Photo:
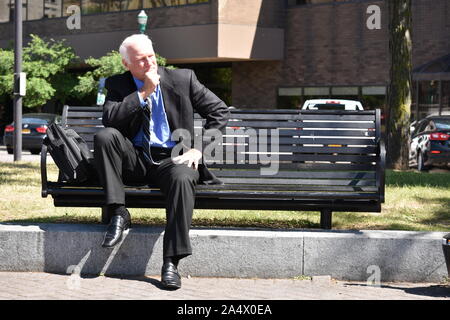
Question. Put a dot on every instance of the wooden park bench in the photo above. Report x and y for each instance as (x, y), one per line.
(323, 161)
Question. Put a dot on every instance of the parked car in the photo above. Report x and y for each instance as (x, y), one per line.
(430, 143)
(34, 128)
(332, 104)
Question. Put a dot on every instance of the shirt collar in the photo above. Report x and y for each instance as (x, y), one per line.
(140, 83)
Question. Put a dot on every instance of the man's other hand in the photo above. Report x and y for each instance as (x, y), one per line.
(191, 158)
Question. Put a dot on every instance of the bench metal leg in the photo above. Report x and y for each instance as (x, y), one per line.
(105, 216)
(325, 219)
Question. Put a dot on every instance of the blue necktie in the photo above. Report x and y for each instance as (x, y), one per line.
(146, 129)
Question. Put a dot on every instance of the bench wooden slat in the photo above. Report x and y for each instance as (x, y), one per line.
(295, 149)
(275, 181)
(302, 124)
(291, 188)
(318, 141)
(81, 122)
(298, 174)
(297, 157)
(234, 133)
(87, 114)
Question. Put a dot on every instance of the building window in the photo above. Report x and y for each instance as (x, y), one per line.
(24, 10)
(4, 11)
(445, 108)
(304, 2)
(67, 4)
(131, 4)
(35, 10)
(170, 3)
(371, 97)
(39, 9)
(93, 6)
(52, 8)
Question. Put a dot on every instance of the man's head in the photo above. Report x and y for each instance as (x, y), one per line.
(138, 55)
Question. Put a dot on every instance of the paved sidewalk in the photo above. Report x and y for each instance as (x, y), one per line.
(33, 285)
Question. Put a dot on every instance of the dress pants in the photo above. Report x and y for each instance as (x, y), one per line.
(119, 162)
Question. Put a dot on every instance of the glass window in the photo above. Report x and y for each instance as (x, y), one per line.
(35, 9)
(289, 91)
(52, 8)
(373, 97)
(112, 5)
(92, 6)
(131, 4)
(442, 124)
(24, 11)
(168, 3)
(317, 91)
(67, 4)
(4, 11)
(344, 91)
(289, 102)
(428, 92)
(371, 102)
(423, 126)
(303, 2)
(446, 97)
(154, 3)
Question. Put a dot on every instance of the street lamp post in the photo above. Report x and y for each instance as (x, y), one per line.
(142, 20)
(17, 138)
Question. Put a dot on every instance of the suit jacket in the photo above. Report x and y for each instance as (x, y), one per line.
(182, 94)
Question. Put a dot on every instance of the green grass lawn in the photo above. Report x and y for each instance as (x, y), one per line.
(414, 201)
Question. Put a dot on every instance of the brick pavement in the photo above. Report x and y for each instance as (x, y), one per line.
(46, 286)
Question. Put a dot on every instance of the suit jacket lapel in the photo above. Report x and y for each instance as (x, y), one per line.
(171, 98)
(129, 85)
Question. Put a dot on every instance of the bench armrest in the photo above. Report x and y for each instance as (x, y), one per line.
(382, 167)
(44, 190)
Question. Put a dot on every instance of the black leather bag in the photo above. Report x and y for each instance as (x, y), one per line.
(71, 154)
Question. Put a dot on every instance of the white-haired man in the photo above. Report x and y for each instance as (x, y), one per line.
(123, 153)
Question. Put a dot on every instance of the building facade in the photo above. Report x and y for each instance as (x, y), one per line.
(262, 53)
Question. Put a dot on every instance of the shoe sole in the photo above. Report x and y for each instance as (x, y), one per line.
(169, 285)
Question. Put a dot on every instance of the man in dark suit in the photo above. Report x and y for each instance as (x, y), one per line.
(143, 107)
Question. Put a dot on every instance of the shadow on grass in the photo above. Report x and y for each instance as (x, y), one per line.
(19, 165)
(417, 179)
(19, 173)
(196, 223)
(439, 216)
(53, 219)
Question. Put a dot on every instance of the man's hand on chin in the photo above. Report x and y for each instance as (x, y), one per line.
(151, 81)
(191, 158)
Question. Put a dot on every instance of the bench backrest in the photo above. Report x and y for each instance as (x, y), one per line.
(318, 153)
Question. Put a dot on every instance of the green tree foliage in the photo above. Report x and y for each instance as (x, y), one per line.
(103, 67)
(45, 63)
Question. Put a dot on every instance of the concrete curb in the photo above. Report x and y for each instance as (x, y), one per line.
(344, 255)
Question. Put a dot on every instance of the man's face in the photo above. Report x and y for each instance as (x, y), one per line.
(142, 60)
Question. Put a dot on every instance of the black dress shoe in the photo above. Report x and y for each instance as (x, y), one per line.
(115, 230)
(170, 278)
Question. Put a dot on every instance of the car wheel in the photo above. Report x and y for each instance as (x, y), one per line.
(35, 151)
(10, 150)
(421, 162)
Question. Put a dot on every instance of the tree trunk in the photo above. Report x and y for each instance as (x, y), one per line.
(399, 92)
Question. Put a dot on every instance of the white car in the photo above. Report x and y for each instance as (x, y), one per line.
(332, 104)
